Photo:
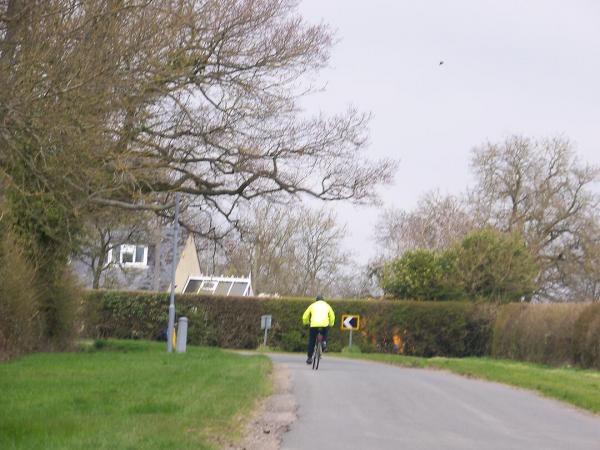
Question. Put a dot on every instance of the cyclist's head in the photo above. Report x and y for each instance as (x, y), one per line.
(319, 297)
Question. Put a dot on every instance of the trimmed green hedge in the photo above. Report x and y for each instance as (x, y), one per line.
(555, 334)
(411, 328)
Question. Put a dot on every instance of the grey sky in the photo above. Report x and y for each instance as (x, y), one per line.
(510, 66)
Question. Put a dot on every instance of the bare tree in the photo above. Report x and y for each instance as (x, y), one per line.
(541, 190)
(355, 282)
(437, 222)
(578, 276)
(267, 247)
(287, 248)
(129, 101)
(319, 250)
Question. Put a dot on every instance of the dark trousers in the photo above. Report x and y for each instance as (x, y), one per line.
(312, 337)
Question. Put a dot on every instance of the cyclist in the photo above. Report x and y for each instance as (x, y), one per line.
(320, 317)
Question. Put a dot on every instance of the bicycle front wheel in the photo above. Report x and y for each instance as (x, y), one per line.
(317, 356)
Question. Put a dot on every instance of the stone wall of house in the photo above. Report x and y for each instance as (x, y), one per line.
(154, 276)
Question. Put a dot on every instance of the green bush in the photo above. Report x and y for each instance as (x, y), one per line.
(495, 266)
(412, 328)
(486, 265)
(422, 274)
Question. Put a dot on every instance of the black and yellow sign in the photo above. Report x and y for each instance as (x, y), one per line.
(350, 322)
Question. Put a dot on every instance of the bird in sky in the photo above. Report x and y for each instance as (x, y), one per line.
(441, 62)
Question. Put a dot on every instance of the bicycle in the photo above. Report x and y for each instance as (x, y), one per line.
(317, 351)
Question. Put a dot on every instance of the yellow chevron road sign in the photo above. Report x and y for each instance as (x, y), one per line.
(350, 322)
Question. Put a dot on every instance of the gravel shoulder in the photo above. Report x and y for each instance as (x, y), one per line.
(273, 416)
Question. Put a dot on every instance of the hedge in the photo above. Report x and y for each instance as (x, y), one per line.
(411, 328)
(554, 334)
(586, 342)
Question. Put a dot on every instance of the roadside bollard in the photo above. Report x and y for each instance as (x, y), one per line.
(182, 327)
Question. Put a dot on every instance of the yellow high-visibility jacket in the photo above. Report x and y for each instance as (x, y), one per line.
(319, 314)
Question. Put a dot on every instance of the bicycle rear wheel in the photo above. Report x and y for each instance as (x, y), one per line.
(318, 355)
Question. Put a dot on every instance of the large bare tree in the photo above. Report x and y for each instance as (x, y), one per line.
(122, 103)
(539, 189)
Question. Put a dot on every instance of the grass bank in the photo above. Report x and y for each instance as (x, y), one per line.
(128, 395)
(575, 386)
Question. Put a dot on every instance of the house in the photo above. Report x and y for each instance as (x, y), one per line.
(146, 263)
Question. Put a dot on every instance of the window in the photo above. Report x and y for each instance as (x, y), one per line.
(223, 288)
(134, 255)
(192, 287)
(208, 286)
(238, 288)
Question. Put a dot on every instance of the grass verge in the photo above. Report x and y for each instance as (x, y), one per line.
(578, 387)
(128, 395)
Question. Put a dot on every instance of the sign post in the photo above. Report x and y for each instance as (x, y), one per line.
(350, 323)
(265, 324)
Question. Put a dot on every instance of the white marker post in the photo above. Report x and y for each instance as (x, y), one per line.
(181, 342)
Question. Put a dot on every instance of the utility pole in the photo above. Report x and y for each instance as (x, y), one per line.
(171, 325)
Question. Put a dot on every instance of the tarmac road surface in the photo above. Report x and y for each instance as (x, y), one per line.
(350, 404)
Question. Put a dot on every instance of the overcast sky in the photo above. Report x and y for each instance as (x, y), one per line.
(530, 67)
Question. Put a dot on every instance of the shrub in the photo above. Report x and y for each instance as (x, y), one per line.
(37, 305)
(20, 325)
(495, 266)
(413, 328)
(58, 309)
(422, 274)
(487, 265)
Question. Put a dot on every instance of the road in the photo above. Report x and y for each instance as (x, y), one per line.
(350, 404)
